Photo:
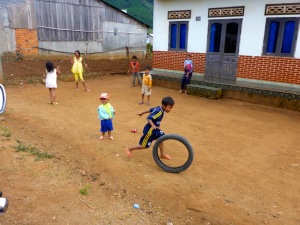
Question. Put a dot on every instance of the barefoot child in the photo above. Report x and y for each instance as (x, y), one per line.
(134, 66)
(51, 81)
(106, 113)
(152, 129)
(146, 86)
(77, 69)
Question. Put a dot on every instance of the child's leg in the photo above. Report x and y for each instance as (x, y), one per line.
(162, 152)
(85, 88)
(53, 95)
(110, 136)
(128, 150)
(139, 78)
(50, 94)
(133, 80)
(189, 77)
(182, 85)
(102, 136)
(82, 81)
(148, 97)
(76, 77)
(184, 82)
(142, 102)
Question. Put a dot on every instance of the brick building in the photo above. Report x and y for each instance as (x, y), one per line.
(235, 40)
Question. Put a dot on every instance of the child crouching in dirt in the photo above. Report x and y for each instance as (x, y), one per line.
(152, 129)
(106, 113)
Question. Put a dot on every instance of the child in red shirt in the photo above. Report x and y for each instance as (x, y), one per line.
(134, 66)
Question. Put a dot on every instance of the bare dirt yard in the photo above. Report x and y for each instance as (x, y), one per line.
(246, 166)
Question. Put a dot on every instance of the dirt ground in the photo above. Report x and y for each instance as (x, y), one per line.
(245, 169)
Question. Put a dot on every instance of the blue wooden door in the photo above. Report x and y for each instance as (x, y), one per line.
(222, 49)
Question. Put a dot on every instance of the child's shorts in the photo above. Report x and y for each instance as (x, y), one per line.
(145, 90)
(78, 76)
(106, 125)
(150, 136)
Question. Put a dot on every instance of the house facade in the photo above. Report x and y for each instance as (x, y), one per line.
(53, 27)
(256, 41)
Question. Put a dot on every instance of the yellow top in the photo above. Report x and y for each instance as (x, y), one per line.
(77, 65)
(147, 80)
(107, 108)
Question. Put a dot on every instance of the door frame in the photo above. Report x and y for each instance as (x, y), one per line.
(219, 63)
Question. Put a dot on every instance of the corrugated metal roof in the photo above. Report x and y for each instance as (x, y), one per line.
(4, 3)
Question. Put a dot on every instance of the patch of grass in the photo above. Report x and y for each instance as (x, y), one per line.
(32, 150)
(30, 81)
(85, 190)
(6, 134)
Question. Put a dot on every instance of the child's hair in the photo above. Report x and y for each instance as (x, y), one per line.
(49, 66)
(134, 57)
(78, 52)
(167, 101)
(148, 68)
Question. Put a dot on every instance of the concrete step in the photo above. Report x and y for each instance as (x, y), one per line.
(204, 91)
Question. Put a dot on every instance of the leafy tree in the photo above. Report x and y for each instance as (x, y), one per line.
(142, 10)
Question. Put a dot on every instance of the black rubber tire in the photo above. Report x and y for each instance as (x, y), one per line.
(166, 167)
(3, 99)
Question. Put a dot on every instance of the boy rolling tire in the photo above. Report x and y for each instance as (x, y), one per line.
(165, 166)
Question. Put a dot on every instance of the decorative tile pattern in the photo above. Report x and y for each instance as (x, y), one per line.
(282, 9)
(225, 12)
(184, 14)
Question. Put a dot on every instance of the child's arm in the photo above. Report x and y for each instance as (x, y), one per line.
(84, 63)
(150, 82)
(142, 113)
(129, 67)
(57, 70)
(71, 60)
(152, 124)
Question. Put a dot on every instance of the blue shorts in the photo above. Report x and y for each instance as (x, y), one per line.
(106, 125)
(150, 135)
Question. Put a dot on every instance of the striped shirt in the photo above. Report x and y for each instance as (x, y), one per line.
(156, 115)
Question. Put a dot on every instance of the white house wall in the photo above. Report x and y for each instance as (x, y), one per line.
(253, 26)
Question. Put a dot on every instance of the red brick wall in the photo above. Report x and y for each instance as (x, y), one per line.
(175, 60)
(269, 68)
(26, 41)
(266, 68)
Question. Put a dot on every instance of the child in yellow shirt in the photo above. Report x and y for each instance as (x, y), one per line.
(146, 85)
